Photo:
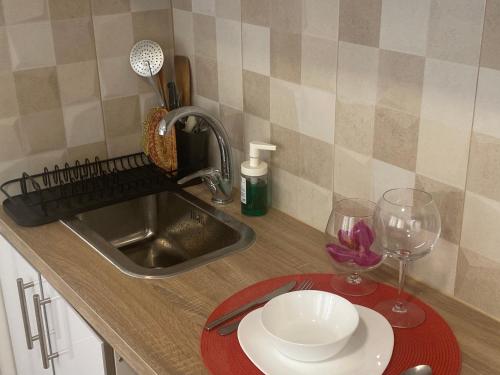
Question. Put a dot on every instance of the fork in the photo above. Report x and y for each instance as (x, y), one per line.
(231, 327)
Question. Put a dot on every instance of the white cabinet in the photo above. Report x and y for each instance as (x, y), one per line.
(62, 342)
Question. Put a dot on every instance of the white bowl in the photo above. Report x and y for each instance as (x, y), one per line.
(309, 325)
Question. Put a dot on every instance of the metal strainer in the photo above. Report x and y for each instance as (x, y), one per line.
(146, 58)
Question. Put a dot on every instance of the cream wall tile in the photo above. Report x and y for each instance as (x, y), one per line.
(285, 191)
(256, 94)
(230, 9)
(210, 105)
(43, 131)
(354, 126)
(113, 35)
(438, 269)
(228, 36)
(314, 204)
(117, 78)
(490, 57)
(83, 124)
(78, 82)
(20, 11)
(230, 82)
(141, 5)
(232, 119)
(204, 7)
(357, 73)
(121, 116)
(287, 143)
(404, 25)
(255, 129)
(480, 227)
(31, 45)
(360, 21)
(206, 81)
(320, 18)
(487, 114)
(256, 48)
(87, 151)
(286, 56)
(319, 63)
(8, 103)
(284, 103)
(11, 139)
(4, 51)
(123, 144)
(352, 174)
(238, 158)
(387, 176)
(147, 101)
(455, 28)
(183, 32)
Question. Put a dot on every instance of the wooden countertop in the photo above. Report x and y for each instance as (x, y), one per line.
(155, 325)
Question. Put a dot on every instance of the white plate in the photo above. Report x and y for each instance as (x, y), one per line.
(368, 352)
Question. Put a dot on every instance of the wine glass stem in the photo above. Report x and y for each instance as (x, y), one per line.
(354, 278)
(400, 305)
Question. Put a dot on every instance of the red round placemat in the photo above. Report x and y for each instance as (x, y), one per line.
(431, 343)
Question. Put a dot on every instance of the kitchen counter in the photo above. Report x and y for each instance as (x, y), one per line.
(155, 325)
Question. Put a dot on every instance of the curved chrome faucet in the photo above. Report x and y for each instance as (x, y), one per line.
(219, 182)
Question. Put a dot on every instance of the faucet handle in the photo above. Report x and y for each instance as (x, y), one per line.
(207, 173)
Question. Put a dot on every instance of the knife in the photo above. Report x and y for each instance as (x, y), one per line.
(230, 315)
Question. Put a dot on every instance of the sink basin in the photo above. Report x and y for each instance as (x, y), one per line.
(162, 234)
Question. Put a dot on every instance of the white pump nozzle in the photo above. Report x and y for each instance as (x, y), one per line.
(254, 151)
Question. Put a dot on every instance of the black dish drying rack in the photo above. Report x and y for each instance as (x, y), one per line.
(63, 192)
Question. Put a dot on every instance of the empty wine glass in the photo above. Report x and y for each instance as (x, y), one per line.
(349, 238)
(407, 226)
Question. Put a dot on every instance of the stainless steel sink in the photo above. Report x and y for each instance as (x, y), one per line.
(162, 234)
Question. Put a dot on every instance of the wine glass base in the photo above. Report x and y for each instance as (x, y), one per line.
(363, 286)
(413, 317)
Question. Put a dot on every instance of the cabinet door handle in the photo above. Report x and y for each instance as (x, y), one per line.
(46, 356)
(21, 287)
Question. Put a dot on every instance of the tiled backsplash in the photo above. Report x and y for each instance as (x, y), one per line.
(66, 87)
(361, 96)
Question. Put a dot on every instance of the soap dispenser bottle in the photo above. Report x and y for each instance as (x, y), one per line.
(255, 190)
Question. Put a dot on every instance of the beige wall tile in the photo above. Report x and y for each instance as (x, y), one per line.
(230, 9)
(480, 226)
(483, 173)
(319, 63)
(89, 151)
(487, 109)
(286, 16)
(83, 123)
(256, 12)
(2, 18)
(478, 281)
(113, 35)
(232, 119)
(121, 116)
(154, 25)
(4, 51)
(123, 144)
(455, 28)
(228, 35)
(360, 21)
(352, 174)
(490, 56)
(43, 131)
(230, 83)
(316, 161)
(183, 32)
(285, 191)
(117, 78)
(78, 82)
(357, 73)
(314, 203)
(395, 138)
(206, 78)
(31, 45)
(64, 9)
(404, 25)
(255, 129)
(256, 48)
(102, 7)
(204, 36)
(388, 176)
(354, 126)
(320, 19)
(400, 81)
(20, 11)
(450, 202)
(11, 139)
(37, 90)
(73, 40)
(285, 103)
(141, 5)
(286, 55)
(287, 143)
(438, 269)
(8, 102)
(182, 4)
(204, 7)
(256, 94)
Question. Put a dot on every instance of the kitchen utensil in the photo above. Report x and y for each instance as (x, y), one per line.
(146, 59)
(348, 241)
(183, 79)
(231, 327)
(418, 370)
(368, 351)
(407, 226)
(309, 325)
(224, 318)
(173, 98)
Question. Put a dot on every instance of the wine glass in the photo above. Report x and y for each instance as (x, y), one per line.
(407, 226)
(349, 238)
